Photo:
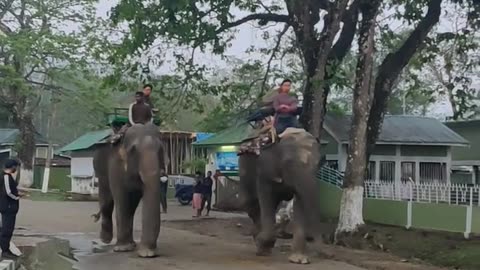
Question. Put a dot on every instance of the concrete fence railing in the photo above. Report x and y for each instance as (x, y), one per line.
(457, 194)
(453, 208)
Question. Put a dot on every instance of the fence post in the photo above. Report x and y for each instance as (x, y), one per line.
(409, 207)
(468, 225)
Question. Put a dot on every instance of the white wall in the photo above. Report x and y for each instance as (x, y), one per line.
(81, 166)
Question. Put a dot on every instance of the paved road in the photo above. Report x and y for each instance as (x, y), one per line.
(178, 249)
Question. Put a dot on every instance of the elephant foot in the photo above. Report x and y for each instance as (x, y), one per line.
(125, 247)
(264, 252)
(106, 237)
(299, 259)
(144, 252)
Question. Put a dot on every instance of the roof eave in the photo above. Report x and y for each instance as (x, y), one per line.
(459, 144)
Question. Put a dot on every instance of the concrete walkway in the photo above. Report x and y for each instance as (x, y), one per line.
(178, 249)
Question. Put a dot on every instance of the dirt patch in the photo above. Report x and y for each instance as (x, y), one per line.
(382, 247)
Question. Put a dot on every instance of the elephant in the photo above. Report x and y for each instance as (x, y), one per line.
(282, 171)
(128, 172)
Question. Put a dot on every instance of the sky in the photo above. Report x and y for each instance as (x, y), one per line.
(249, 35)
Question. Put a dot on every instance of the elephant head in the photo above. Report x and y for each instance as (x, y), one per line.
(128, 172)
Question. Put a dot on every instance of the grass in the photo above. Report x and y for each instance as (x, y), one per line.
(46, 197)
(449, 250)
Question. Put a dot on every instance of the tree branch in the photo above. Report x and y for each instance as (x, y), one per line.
(264, 17)
(275, 49)
(392, 66)
(5, 29)
(344, 43)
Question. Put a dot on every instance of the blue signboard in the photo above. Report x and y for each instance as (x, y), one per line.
(227, 161)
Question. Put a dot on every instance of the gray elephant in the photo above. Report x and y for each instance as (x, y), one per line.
(281, 172)
(128, 172)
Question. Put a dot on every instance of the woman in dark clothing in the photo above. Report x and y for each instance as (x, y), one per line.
(9, 204)
(197, 195)
(207, 192)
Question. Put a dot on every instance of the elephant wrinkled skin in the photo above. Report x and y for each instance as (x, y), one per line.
(128, 172)
(282, 171)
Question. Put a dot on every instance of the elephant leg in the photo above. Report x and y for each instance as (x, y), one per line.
(265, 240)
(106, 210)
(298, 255)
(150, 219)
(253, 211)
(126, 204)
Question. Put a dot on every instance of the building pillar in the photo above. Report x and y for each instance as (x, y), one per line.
(377, 171)
(417, 172)
(342, 157)
(448, 170)
(398, 171)
(474, 174)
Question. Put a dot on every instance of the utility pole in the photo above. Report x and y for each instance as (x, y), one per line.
(48, 160)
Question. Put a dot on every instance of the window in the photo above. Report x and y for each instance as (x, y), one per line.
(433, 172)
(408, 171)
(332, 164)
(387, 171)
(41, 152)
(370, 174)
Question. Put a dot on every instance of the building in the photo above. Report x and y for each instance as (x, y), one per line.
(178, 146)
(8, 139)
(408, 147)
(466, 161)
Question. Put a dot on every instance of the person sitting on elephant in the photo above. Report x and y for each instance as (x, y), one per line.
(138, 113)
(147, 91)
(283, 106)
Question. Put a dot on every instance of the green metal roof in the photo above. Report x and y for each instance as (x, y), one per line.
(400, 129)
(232, 135)
(405, 130)
(86, 141)
(9, 137)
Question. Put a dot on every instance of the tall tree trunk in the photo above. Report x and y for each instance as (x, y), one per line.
(48, 161)
(25, 147)
(331, 28)
(335, 58)
(351, 209)
(391, 68)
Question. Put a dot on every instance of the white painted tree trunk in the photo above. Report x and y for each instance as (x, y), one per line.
(351, 210)
(46, 178)
(26, 178)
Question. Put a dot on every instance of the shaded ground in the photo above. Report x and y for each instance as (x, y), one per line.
(178, 249)
(224, 242)
(381, 247)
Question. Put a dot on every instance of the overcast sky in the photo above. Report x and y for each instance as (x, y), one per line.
(249, 36)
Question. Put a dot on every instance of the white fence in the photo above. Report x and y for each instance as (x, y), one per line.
(458, 194)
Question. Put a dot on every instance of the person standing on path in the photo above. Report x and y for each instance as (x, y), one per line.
(197, 195)
(9, 205)
(163, 192)
(207, 192)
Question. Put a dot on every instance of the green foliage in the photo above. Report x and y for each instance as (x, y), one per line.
(194, 165)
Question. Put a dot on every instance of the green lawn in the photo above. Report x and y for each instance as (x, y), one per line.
(47, 197)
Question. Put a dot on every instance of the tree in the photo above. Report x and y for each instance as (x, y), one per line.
(209, 26)
(34, 49)
(323, 31)
(351, 210)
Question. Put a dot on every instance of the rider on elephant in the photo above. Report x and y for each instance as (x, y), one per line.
(147, 91)
(139, 112)
(280, 103)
